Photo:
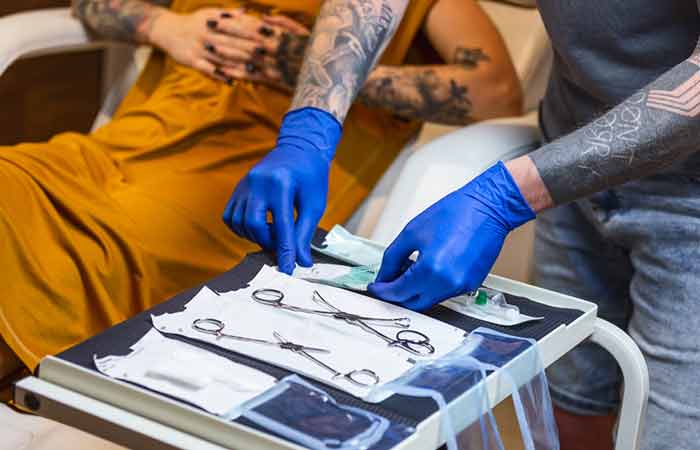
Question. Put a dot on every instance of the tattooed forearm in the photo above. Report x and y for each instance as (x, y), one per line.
(649, 131)
(347, 40)
(290, 56)
(123, 20)
(430, 93)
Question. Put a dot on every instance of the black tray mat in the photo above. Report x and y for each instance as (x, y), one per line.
(118, 339)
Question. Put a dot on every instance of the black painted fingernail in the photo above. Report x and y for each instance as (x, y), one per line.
(209, 47)
(212, 24)
(260, 51)
(229, 81)
(265, 31)
(250, 68)
(226, 15)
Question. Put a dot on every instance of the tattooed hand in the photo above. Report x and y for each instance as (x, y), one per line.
(277, 59)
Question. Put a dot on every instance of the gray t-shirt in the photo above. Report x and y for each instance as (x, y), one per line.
(605, 50)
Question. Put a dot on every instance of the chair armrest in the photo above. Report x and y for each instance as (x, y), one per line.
(41, 32)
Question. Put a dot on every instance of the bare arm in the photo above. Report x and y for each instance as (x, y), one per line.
(123, 20)
(649, 131)
(347, 40)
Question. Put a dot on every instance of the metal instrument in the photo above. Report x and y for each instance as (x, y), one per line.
(359, 377)
(411, 341)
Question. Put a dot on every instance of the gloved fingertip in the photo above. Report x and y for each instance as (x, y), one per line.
(372, 289)
(419, 304)
(304, 257)
(285, 263)
(378, 289)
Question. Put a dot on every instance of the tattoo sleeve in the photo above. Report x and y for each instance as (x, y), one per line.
(290, 56)
(430, 93)
(347, 40)
(649, 131)
(123, 20)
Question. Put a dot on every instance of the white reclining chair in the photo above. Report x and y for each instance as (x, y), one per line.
(407, 188)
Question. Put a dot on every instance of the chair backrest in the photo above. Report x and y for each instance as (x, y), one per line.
(121, 67)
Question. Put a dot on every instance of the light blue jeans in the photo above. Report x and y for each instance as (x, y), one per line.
(635, 251)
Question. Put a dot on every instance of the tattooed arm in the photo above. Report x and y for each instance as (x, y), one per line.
(347, 40)
(122, 20)
(649, 131)
(477, 82)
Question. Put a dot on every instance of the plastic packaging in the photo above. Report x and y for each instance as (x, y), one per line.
(464, 370)
(309, 416)
(533, 405)
(355, 250)
(355, 278)
(444, 379)
(490, 306)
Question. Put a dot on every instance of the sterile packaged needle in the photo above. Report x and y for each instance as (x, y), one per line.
(490, 306)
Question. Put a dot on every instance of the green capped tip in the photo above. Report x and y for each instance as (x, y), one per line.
(481, 298)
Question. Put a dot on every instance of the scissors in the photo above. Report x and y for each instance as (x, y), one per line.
(359, 377)
(411, 341)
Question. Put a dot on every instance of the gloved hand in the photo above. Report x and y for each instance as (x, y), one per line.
(458, 239)
(293, 175)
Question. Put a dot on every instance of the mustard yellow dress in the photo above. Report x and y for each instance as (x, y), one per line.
(96, 228)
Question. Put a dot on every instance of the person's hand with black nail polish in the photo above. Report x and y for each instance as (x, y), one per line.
(275, 60)
(230, 44)
(202, 39)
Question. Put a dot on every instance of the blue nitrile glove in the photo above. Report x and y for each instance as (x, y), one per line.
(293, 175)
(458, 239)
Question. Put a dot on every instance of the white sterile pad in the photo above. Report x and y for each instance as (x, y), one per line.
(189, 373)
(351, 348)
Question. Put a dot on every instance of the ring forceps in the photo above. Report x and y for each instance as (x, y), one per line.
(357, 377)
(411, 341)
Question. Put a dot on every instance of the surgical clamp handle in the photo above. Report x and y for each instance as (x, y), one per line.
(218, 328)
(420, 346)
(354, 376)
(274, 297)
